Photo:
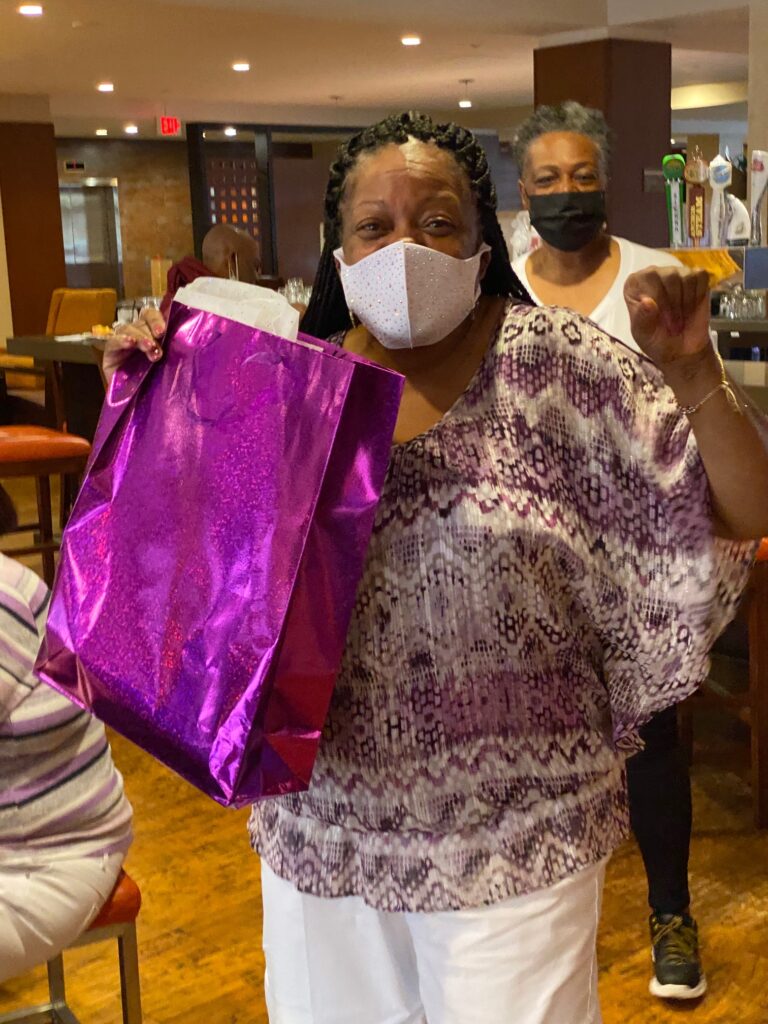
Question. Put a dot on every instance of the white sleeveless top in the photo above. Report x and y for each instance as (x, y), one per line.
(611, 313)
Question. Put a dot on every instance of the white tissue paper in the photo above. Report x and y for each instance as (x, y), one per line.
(247, 304)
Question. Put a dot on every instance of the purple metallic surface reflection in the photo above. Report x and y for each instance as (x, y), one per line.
(209, 569)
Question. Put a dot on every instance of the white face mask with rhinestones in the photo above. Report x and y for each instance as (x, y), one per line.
(409, 295)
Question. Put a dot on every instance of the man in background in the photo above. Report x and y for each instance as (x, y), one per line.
(227, 253)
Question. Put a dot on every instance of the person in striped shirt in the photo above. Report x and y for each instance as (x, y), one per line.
(65, 823)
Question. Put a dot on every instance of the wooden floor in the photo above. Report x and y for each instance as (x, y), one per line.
(199, 929)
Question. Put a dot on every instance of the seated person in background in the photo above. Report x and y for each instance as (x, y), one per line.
(562, 153)
(65, 824)
(227, 253)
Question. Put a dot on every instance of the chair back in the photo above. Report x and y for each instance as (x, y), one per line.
(53, 310)
(74, 310)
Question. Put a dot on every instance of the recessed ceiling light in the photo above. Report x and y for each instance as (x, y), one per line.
(231, 132)
(411, 40)
(464, 101)
(131, 129)
(106, 86)
(241, 66)
(30, 10)
(102, 131)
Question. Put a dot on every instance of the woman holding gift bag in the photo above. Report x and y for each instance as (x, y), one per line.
(563, 531)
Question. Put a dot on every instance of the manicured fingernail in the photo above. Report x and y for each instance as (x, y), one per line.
(157, 330)
(154, 354)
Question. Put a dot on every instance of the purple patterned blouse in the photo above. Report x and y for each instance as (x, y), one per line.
(541, 580)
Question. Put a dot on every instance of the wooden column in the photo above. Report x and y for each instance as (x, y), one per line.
(630, 82)
(34, 247)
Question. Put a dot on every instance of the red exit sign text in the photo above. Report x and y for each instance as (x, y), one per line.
(170, 126)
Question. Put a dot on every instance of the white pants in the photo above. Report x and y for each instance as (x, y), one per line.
(528, 960)
(45, 905)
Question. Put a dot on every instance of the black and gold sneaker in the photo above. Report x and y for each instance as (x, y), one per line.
(677, 972)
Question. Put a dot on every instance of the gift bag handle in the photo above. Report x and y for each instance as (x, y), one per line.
(127, 382)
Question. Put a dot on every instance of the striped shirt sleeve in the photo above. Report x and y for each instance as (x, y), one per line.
(23, 607)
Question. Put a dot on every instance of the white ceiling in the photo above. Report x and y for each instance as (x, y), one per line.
(175, 55)
(725, 31)
(553, 15)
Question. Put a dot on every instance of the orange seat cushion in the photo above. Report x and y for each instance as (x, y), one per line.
(30, 444)
(123, 905)
(8, 362)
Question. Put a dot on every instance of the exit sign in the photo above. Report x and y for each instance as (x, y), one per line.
(169, 126)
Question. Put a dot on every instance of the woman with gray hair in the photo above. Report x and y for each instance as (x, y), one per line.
(563, 153)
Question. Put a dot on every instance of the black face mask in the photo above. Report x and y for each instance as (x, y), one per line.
(568, 220)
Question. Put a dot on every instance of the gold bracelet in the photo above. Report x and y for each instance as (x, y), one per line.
(724, 385)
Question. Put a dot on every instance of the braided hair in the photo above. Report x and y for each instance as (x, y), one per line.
(327, 312)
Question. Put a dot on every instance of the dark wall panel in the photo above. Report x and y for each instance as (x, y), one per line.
(300, 181)
(29, 188)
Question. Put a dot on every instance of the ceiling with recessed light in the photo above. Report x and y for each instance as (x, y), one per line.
(341, 61)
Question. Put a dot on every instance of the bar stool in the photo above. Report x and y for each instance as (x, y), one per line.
(41, 453)
(116, 919)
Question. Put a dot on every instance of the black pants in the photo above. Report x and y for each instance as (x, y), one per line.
(660, 811)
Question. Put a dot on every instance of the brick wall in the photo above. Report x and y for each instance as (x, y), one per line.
(153, 196)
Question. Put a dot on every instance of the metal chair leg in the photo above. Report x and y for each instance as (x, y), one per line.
(45, 519)
(70, 485)
(130, 987)
(56, 1010)
(63, 1015)
(31, 1015)
(60, 1012)
(56, 988)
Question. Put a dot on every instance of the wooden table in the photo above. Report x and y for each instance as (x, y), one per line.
(46, 349)
(75, 370)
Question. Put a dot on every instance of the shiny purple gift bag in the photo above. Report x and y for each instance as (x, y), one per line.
(209, 569)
